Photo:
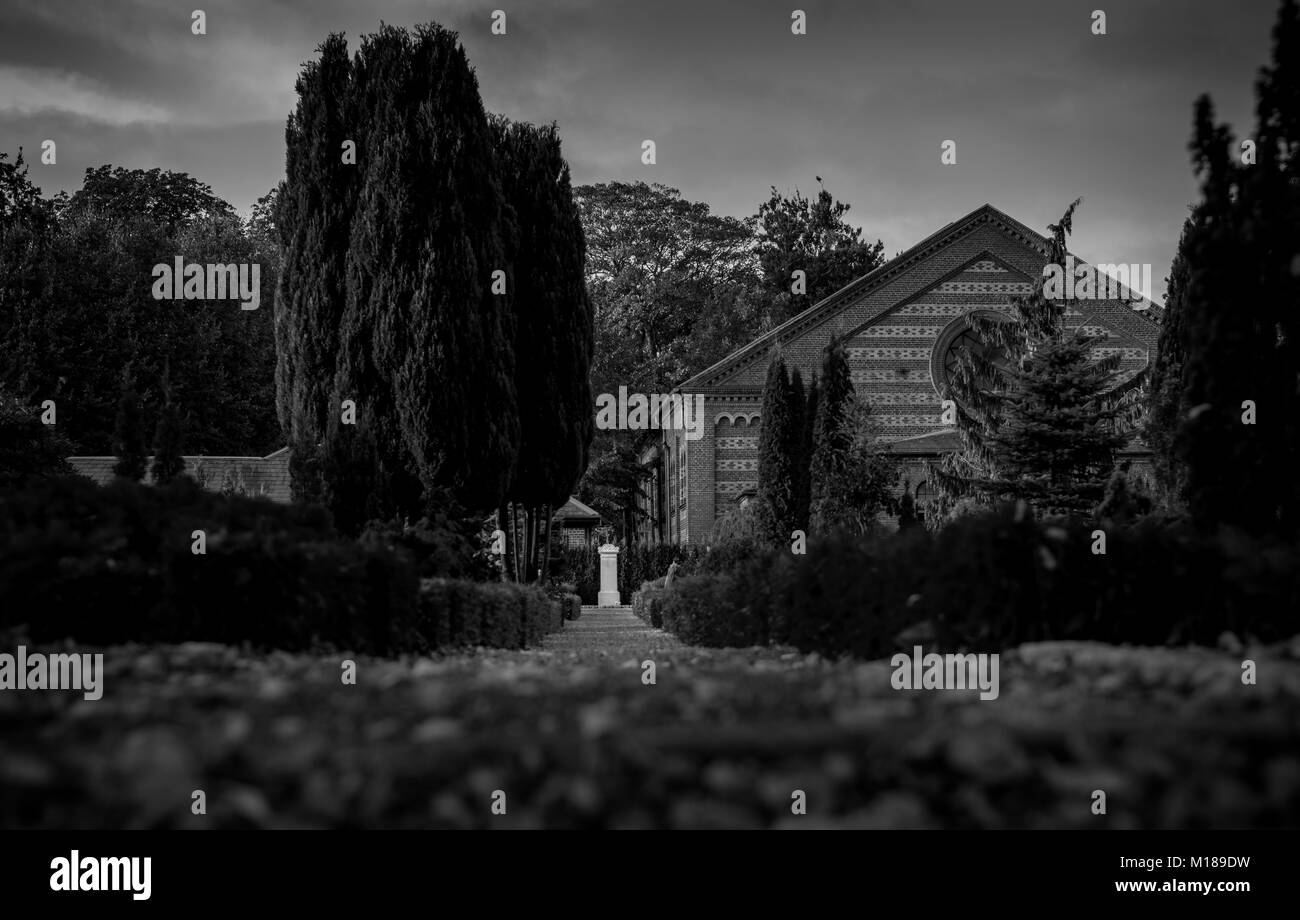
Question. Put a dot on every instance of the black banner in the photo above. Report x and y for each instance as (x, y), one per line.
(331, 870)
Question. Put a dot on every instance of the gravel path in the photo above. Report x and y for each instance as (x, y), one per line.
(574, 737)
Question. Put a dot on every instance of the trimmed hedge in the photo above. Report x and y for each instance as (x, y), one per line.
(463, 614)
(107, 565)
(648, 603)
(993, 581)
(571, 606)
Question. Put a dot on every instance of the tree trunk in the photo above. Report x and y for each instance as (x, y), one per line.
(550, 528)
(514, 539)
(530, 542)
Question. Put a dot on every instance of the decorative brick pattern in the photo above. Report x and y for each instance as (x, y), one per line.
(898, 332)
(921, 375)
(742, 466)
(986, 265)
(917, 354)
(737, 443)
(984, 287)
(918, 398)
(735, 487)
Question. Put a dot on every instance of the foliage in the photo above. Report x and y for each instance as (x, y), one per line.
(459, 614)
(553, 341)
(115, 564)
(1165, 401)
(777, 466)
(851, 478)
(76, 307)
(990, 581)
(168, 461)
(1240, 332)
(129, 438)
(439, 546)
(29, 449)
(1038, 418)
(1124, 501)
(408, 239)
(811, 235)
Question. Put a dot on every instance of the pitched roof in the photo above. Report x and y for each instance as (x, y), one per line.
(576, 511)
(261, 476)
(828, 306)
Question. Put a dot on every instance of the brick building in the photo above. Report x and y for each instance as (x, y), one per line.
(901, 323)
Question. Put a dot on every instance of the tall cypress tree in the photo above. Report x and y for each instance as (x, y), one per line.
(832, 434)
(1240, 436)
(314, 219)
(802, 452)
(776, 466)
(1165, 403)
(554, 335)
(794, 450)
(389, 263)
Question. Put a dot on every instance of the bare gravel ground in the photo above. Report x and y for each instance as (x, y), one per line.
(573, 737)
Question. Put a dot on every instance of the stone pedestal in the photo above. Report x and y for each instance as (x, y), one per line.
(608, 595)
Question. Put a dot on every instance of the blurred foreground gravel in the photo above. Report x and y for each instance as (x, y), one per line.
(575, 739)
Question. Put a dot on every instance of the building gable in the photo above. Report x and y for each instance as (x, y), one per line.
(971, 255)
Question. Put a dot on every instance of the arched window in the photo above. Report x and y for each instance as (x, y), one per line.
(958, 337)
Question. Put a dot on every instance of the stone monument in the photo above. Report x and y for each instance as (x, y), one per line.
(608, 596)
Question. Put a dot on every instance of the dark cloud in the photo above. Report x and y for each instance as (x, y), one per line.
(1042, 110)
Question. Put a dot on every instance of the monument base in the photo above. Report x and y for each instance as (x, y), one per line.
(608, 599)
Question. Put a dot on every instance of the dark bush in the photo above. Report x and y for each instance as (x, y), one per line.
(707, 610)
(114, 564)
(439, 548)
(992, 581)
(727, 556)
(580, 567)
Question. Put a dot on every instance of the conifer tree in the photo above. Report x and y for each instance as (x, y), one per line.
(554, 335)
(389, 267)
(313, 217)
(168, 463)
(129, 437)
(776, 467)
(833, 434)
(802, 453)
(1037, 416)
(794, 450)
(1165, 402)
(1240, 435)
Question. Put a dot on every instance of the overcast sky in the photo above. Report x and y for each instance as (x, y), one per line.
(1042, 110)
